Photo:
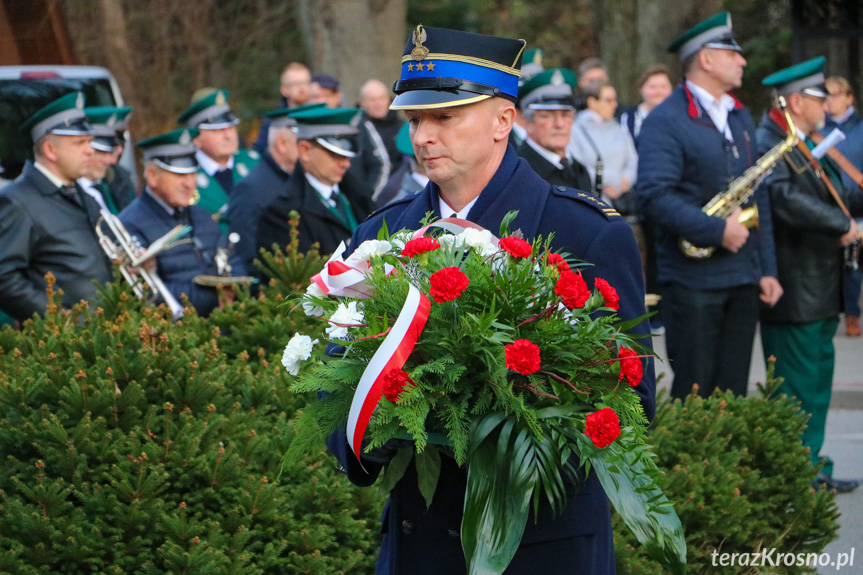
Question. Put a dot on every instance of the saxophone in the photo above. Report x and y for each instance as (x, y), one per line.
(741, 189)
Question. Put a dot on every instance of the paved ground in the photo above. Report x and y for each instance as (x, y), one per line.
(844, 441)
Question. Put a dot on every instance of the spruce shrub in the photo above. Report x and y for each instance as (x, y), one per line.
(133, 445)
(740, 480)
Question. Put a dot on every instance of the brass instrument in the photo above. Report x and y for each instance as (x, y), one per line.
(122, 249)
(223, 268)
(741, 189)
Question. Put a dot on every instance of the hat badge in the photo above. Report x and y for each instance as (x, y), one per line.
(79, 102)
(420, 51)
(112, 120)
(220, 99)
(557, 78)
(185, 137)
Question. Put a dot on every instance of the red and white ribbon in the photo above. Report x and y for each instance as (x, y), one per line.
(454, 226)
(340, 279)
(392, 354)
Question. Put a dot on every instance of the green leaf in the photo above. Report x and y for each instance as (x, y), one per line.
(634, 496)
(396, 469)
(504, 223)
(500, 485)
(428, 472)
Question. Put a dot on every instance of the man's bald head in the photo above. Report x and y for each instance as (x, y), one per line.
(375, 99)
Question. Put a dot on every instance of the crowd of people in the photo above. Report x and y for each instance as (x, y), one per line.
(484, 135)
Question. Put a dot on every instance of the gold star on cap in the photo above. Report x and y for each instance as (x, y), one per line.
(430, 66)
(410, 67)
(420, 68)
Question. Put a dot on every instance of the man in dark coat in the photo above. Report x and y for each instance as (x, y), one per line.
(810, 226)
(690, 148)
(170, 176)
(379, 156)
(330, 202)
(409, 178)
(47, 223)
(94, 180)
(549, 110)
(461, 138)
(266, 182)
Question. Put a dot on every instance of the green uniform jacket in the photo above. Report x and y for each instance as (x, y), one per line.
(213, 197)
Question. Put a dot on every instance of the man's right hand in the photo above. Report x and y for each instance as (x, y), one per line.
(851, 235)
(735, 234)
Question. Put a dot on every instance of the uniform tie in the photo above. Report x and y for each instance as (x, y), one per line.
(225, 178)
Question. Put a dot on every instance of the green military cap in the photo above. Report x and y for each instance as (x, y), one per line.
(106, 121)
(284, 117)
(548, 90)
(403, 141)
(715, 32)
(64, 117)
(172, 151)
(806, 77)
(331, 128)
(211, 112)
(531, 64)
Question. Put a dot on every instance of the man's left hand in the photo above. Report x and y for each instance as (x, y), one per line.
(771, 291)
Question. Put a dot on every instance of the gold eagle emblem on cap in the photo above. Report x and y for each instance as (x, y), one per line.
(420, 51)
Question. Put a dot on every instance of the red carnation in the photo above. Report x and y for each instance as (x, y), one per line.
(602, 427)
(447, 284)
(609, 293)
(516, 247)
(557, 262)
(419, 246)
(395, 381)
(522, 356)
(630, 366)
(573, 289)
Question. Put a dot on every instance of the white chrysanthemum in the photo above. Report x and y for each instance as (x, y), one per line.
(399, 239)
(345, 315)
(451, 241)
(311, 308)
(299, 349)
(481, 241)
(369, 249)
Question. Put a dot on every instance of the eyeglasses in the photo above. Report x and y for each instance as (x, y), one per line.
(608, 99)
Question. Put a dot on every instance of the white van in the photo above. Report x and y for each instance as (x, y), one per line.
(26, 89)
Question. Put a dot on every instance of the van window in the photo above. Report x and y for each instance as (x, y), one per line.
(21, 98)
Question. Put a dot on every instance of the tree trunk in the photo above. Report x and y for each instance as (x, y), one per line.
(117, 51)
(355, 40)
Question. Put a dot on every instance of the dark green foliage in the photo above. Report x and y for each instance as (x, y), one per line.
(739, 478)
(133, 445)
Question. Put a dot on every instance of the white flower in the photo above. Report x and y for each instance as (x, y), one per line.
(481, 241)
(399, 239)
(310, 307)
(369, 249)
(299, 349)
(345, 315)
(450, 241)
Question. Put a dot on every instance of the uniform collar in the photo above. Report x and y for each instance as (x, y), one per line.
(52, 177)
(552, 158)
(210, 165)
(695, 105)
(324, 190)
(168, 209)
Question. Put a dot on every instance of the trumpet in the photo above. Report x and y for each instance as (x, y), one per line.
(223, 255)
(122, 249)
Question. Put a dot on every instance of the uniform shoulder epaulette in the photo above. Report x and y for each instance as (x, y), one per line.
(587, 199)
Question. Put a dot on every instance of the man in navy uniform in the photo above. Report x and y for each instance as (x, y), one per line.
(459, 99)
(46, 221)
(330, 201)
(267, 180)
(169, 173)
(691, 147)
(222, 162)
(812, 221)
(549, 110)
(105, 142)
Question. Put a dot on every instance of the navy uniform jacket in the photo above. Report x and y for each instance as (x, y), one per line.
(807, 225)
(146, 220)
(683, 161)
(576, 176)
(317, 222)
(266, 182)
(418, 541)
(44, 229)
